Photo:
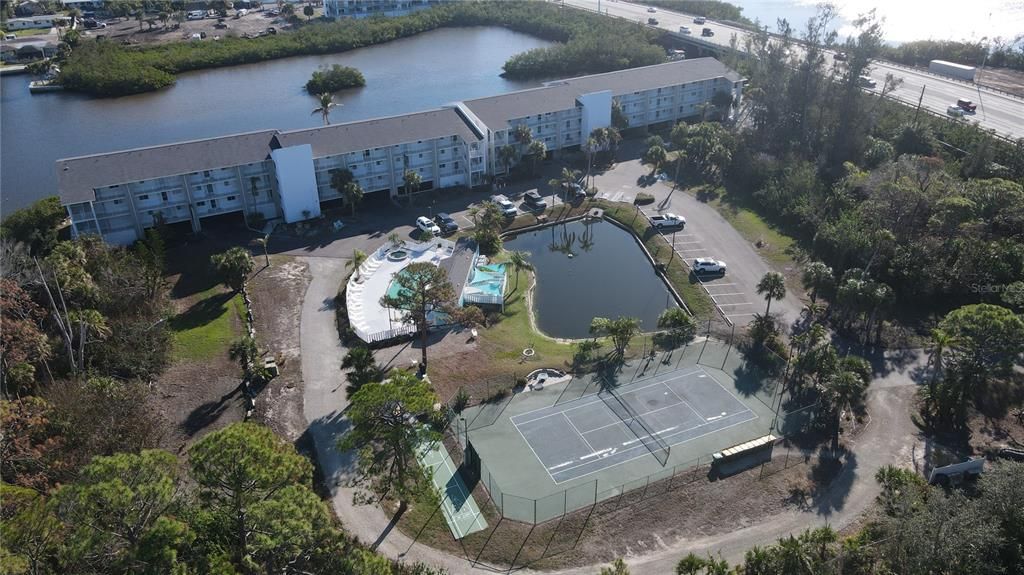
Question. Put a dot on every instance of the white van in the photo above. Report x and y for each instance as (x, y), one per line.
(196, 15)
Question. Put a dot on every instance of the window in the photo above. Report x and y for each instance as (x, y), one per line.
(378, 162)
(456, 165)
(366, 154)
(227, 183)
(442, 165)
(567, 123)
(117, 202)
(144, 197)
(163, 196)
(213, 204)
(202, 203)
(231, 198)
(421, 156)
(206, 173)
(209, 188)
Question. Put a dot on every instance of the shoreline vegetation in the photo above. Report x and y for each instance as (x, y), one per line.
(103, 69)
(335, 78)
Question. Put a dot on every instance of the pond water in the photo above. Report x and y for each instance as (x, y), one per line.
(406, 75)
(590, 269)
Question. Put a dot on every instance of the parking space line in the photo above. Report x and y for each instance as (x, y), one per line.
(725, 304)
(692, 250)
(725, 294)
(687, 242)
(739, 314)
(715, 285)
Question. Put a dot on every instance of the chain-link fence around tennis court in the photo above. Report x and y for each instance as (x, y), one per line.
(762, 379)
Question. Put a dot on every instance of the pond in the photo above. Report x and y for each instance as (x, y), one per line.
(590, 269)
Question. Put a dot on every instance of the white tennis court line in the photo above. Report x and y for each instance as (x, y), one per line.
(515, 417)
(697, 413)
(574, 428)
(618, 463)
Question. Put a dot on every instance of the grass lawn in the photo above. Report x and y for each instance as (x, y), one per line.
(206, 329)
(752, 227)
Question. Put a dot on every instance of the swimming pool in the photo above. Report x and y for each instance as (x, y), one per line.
(393, 288)
(488, 279)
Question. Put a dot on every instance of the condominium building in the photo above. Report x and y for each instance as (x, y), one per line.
(271, 174)
(368, 8)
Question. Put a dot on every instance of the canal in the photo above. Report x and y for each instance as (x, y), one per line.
(402, 76)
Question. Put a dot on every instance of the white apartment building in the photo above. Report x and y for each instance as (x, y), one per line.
(367, 8)
(270, 174)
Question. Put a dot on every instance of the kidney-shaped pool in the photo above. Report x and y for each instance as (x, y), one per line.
(588, 269)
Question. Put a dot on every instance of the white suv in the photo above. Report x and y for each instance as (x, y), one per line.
(425, 224)
(708, 266)
(505, 205)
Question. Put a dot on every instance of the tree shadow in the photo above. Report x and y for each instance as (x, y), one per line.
(833, 476)
(201, 313)
(207, 413)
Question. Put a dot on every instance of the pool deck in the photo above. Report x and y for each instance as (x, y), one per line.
(370, 320)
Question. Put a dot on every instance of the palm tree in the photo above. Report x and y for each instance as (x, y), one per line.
(264, 242)
(520, 263)
(411, 181)
(358, 257)
(507, 155)
(844, 389)
(656, 156)
(523, 135)
(591, 147)
(326, 103)
(817, 277)
(537, 149)
(772, 286)
(364, 368)
(308, 11)
(353, 194)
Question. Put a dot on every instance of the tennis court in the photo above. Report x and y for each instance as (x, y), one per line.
(613, 427)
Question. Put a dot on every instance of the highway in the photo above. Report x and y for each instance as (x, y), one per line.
(996, 111)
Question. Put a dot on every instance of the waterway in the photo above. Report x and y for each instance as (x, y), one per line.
(407, 75)
(590, 269)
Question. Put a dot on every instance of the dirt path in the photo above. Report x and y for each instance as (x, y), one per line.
(889, 438)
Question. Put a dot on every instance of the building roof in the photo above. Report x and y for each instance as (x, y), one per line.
(379, 132)
(496, 111)
(77, 178)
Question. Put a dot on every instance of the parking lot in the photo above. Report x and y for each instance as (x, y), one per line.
(729, 296)
(706, 234)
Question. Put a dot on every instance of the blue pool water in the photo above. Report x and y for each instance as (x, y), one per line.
(488, 279)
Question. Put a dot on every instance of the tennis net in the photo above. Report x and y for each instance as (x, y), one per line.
(658, 448)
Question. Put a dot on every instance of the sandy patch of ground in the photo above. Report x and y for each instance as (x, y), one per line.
(277, 293)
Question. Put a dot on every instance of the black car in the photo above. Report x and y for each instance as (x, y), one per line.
(533, 199)
(446, 223)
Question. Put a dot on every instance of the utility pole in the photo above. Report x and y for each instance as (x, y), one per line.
(919, 100)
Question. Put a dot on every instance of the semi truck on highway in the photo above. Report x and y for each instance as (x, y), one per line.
(952, 70)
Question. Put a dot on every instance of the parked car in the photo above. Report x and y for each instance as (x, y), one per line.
(1011, 454)
(708, 266)
(966, 105)
(221, 24)
(685, 30)
(196, 15)
(663, 221)
(573, 190)
(241, 13)
(425, 225)
(700, 20)
(271, 30)
(505, 205)
(447, 223)
(707, 32)
(866, 82)
(652, 9)
(534, 200)
(273, 12)
(955, 111)
(652, 21)
(841, 56)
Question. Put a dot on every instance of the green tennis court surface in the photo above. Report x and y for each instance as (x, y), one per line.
(460, 510)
